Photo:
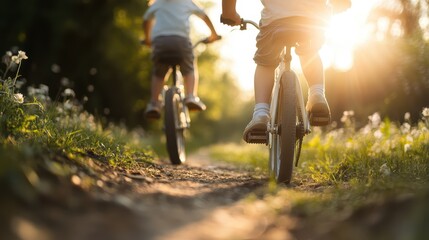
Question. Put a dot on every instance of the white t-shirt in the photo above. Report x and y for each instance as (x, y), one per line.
(277, 9)
(172, 17)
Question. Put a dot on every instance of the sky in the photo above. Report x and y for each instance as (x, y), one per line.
(346, 31)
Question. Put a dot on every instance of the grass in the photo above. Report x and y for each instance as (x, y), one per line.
(40, 136)
(344, 169)
(340, 168)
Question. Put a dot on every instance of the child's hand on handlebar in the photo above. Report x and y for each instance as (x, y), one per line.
(232, 19)
(212, 38)
(146, 42)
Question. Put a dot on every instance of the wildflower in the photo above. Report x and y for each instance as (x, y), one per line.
(347, 115)
(425, 112)
(65, 81)
(55, 68)
(374, 120)
(407, 116)
(405, 128)
(18, 58)
(407, 147)
(378, 134)
(68, 92)
(18, 97)
(385, 170)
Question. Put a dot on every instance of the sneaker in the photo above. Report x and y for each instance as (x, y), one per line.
(153, 110)
(195, 104)
(256, 130)
(318, 109)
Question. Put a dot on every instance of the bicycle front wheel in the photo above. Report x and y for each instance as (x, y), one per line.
(283, 137)
(174, 126)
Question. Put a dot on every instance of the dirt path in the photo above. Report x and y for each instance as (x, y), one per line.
(197, 200)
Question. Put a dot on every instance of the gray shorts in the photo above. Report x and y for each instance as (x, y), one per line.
(269, 45)
(163, 46)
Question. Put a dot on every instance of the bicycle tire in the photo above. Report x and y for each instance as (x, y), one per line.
(174, 131)
(282, 146)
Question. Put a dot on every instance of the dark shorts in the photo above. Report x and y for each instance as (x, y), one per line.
(269, 43)
(164, 46)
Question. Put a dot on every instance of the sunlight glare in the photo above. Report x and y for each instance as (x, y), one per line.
(345, 32)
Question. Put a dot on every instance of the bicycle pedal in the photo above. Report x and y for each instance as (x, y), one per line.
(319, 119)
(257, 137)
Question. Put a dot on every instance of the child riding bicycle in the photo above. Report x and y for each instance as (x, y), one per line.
(281, 14)
(166, 27)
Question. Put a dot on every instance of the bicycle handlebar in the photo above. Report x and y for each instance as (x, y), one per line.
(243, 23)
(204, 40)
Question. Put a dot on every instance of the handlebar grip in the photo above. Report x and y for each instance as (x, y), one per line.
(229, 21)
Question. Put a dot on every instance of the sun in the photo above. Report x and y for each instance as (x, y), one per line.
(345, 32)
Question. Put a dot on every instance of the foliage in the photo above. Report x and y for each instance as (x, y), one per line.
(38, 135)
(383, 157)
(91, 46)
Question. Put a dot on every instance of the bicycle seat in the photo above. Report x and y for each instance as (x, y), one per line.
(290, 37)
(298, 29)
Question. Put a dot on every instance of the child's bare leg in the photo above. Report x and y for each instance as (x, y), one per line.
(317, 105)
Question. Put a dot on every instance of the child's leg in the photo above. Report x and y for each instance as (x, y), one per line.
(192, 100)
(191, 82)
(317, 105)
(312, 68)
(157, 83)
(263, 83)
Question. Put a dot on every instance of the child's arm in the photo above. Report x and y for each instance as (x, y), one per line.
(214, 36)
(147, 29)
(229, 14)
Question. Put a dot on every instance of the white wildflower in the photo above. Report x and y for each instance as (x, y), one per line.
(55, 68)
(385, 170)
(21, 55)
(375, 119)
(65, 81)
(18, 58)
(18, 97)
(405, 128)
(378, 134)
(425, 112)
(347, 115)
(407, 147)
(44, 89)
(68, 92)
(407, 116)
(15, 59)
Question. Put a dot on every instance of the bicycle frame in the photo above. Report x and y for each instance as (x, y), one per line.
(285, 66)
(288, 122)
(177, 82)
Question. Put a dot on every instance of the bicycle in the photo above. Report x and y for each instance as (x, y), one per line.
(176, 114)
(288, 122)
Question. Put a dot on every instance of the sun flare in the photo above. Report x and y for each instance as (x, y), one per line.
(345, 32)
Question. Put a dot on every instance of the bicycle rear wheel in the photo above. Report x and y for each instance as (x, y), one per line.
(174, 126)
(283, 140)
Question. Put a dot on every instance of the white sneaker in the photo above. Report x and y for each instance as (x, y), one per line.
(153, 110)
(318, 109)
(195, 104)
(256, 129)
